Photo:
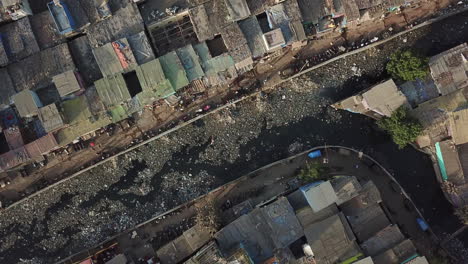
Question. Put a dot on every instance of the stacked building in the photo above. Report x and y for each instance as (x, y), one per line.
(338, 221)
(440, 103)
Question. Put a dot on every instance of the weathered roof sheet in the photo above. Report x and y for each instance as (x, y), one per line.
(110, 62)
(449, 159)
(37, 70)
(201, 24)
(346, 188)
(238, 9)
(209, 254)
(19, 39)
(450, 70)
(112, 90)
(123, 23)
(153, 82)
(254, 35)
(319, 195)
(141, 48)
(44, 29)
(218, 64)
(419, 91)
(184, 246)
(66, 83)
(41, 146)
(459, 126)
(331, 240)
(418, 260)
(293, 10)
(190, 62)
(256, 6)
(262, 230)
(218, 14)
(76, 110)
(350, 9)
(279, 21)
(174, 71)
(364, 213)
(353, 104)
(50, 117)
(384, 98)
(13, 137)
(384, 239)
(7, 89)
(236, 43)
(399, 253)
(313, 10)
(13, 158)
(27, 103)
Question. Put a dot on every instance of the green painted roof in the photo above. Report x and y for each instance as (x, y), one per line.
(190, 62)
(153, 82)
(203, 52)
(80, 120)
(76, 110)
(174, 71)
(218, 64)
(112, 90)
(118, 114)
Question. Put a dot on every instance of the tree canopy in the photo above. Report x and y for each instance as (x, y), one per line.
(401, 127)
(313, 171)
(407, 66)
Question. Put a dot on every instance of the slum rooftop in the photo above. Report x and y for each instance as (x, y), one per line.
(339, 220)
(71, 68)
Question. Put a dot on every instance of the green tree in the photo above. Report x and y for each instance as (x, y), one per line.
(407, 66)
(401, 127)
(313, 171)
(462, 214)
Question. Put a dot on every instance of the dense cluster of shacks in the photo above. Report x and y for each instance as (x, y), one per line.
(79, 66)
(337, 221)
(440, 103)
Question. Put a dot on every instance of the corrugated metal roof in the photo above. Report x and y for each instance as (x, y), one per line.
(41, 146)
(397, 254)
(7, 89)
(67, 135)
(112, 90)
(452, 167)
(13, 158)
(313, 10)
(384, 98)
(153, 82)
(459, 126)
(118, 113)
(27, 103)
(238, 9)
(262, 230)
(254, 35)
(76, 110)
(66, 83)
(383, 240)
(218, 64)
(331, 239)
(319, 195)
(13, 137)
(107, 60)
(449, 70)
(141, 48)
(50, 117)
(201, 24)
(174, 71)
(419, 91)
(190, 62)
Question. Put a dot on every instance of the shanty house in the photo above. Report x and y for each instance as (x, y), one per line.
(449, 69)
(154, 83)
(319, 195)
(174, 70)
(459, 126)
(113, 90)
(7, 90)
(67, 83)
(377, 102)
(50, 117)
(27, 103)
